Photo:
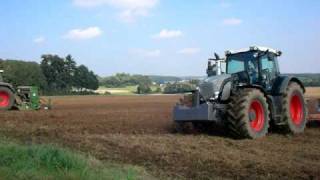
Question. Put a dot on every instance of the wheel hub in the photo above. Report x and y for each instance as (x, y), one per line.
(4, 99)
(256, 116)
(296, 109)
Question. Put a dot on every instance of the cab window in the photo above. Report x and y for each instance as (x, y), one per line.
(267, 64)
(235, 66)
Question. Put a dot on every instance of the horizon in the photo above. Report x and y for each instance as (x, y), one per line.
(159, 37)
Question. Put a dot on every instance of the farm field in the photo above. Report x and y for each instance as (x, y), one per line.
(138, 130)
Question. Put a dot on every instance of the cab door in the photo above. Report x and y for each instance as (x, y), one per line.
(268, 70)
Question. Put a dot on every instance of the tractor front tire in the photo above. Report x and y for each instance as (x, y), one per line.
(294, 110)
(248, 114)
(183, 127)
(6, 99)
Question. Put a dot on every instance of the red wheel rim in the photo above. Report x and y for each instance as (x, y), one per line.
(256, 115)
(296, 109)
(4, 99)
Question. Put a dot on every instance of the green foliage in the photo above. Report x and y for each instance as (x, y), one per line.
(309, 80)
(143, 89)
(49, 162)
(122, 80)
(63, 75)
(23, 73)
(174, 88)
(194, 82)
(54, 76)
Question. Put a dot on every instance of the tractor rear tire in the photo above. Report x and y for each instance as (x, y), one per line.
(6, 99)
(294, 110)
(248, 115)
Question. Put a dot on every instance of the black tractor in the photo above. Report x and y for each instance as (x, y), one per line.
(246, 96)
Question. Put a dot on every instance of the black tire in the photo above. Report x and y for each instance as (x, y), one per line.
(294, 109)
(6, 99)
(183, 127)
(248, 115)
(200, 127)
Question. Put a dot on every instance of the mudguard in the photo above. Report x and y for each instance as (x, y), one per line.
(281, 83)
(3, 84)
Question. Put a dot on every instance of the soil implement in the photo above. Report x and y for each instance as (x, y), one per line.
(245, 93)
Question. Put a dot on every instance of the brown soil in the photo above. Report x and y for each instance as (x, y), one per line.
(138, 130)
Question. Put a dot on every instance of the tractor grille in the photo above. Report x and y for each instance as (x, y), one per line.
(207, 90)
(212, 85)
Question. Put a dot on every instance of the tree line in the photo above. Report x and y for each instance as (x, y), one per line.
(120, 80)
(54, 75)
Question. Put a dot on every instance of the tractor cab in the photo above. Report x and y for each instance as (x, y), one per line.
(254, 66)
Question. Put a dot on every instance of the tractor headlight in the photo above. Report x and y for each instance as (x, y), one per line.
(216, 94)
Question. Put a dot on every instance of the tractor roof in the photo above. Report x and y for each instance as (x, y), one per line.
(254, 48)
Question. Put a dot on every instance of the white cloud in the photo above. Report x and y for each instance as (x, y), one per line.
(39, 40)
(189, 51)
(168, 34)
(82, 34)
(146, 53)
(232, 21)
(129, 9)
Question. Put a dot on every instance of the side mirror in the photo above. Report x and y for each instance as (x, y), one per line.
(216, 56)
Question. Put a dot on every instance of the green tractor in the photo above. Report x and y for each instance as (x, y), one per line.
(24, 98)
(245, 93)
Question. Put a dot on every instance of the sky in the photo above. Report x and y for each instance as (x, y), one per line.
(159, 37)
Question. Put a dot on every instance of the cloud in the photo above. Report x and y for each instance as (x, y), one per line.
(189, 51)
(82, 34)
(232, 21)
(146, 53)
(168, 34)
(39, 40)
(129, 9)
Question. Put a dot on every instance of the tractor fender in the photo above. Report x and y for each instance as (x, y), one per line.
(3, 84)
(282, 82)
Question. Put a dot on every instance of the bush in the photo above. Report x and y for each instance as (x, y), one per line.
(107, 93)
(176, 88)
(143, 89)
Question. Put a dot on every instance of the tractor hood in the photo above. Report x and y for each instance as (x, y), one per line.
(211, 86)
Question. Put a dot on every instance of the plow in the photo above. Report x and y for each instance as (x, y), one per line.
(246, 94)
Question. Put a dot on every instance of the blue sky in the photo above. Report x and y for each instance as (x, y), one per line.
(163, 37)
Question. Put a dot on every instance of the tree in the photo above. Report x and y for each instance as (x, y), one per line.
(63, 74)
(123, 80)
(53, 68)
(21, 73)
(178, 88)
(143, 89)
(85, 79)
(70, 67)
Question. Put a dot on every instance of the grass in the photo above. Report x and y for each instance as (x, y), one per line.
(50, 162)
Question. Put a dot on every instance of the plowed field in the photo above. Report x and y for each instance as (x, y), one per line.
(138, 130)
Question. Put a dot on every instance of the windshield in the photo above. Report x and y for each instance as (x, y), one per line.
(238, 62)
